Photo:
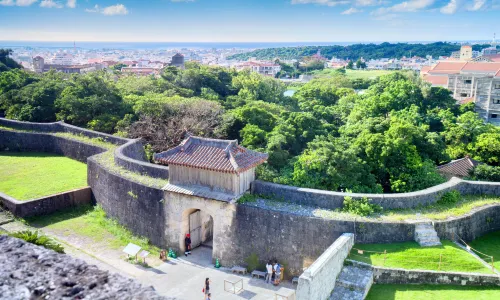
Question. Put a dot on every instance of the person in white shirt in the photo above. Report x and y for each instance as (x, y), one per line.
(269, 271)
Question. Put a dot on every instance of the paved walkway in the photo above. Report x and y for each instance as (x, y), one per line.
(182, 278)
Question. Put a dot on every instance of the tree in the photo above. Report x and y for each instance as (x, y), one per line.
(163, 121)
(92, 102)
(7, 63)
(360, 64)
(350, 65)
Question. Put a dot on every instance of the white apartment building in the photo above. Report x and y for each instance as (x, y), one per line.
(261, 67)
(470, 81)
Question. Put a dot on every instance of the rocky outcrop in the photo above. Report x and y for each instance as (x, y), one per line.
(32, 272)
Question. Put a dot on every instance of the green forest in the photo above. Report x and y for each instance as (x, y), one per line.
(357, 51)
(388, 139)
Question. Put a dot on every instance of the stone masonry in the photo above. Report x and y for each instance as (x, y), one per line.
(33, 272)
(426, 235)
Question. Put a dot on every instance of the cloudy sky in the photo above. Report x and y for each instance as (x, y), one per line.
(248, 20)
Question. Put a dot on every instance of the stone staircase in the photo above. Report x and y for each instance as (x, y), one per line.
(353, 283)
(426, 235)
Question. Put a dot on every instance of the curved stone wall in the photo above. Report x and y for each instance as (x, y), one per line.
(131, 156)
(334, 200)
(134, 205)
(43, 142)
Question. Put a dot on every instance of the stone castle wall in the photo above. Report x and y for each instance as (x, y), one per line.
(382, 275)
(334, 200)
(131, 156)
(136, 206)
(46, 205)
(296, 240)
(318, 281)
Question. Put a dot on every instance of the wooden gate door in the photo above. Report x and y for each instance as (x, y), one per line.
(195, 229)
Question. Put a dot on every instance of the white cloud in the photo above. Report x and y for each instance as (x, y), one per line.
(367, 2)
(407, 6)
(477, 5)
(351, 11)
(17, 2)
(322, 2)
(450, 8)
(50, 4)
(118, 9)
(71, 3)
(93, 10)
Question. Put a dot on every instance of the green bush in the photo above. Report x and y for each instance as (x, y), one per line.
(450, 197)
(253, 263)
(485, 172)
(361, 207)
(34, 237)
(247, 198)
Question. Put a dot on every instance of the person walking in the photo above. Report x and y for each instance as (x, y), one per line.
(187, 243)
(206, 289)
(209, 296)
(269, 271)
(277, 272)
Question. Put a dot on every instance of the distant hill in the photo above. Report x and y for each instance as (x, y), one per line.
(367, 51)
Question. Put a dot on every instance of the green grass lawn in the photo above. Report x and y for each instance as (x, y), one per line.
(442, 211)
(431, 292)
(31, 175)
(410, 255)
(91, 222)
(366, 74)
(489, 244)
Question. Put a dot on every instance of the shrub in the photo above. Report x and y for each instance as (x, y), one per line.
(450, 197)
(34, 237)
(253, 263)
(362, 207)
(485, 172)
(247, 198)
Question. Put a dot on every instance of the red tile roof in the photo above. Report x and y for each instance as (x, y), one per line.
(459, 167)
(437, 80)
(481, 67)
(448, 67)
(211, 154)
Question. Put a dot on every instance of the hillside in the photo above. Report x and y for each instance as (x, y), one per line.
(367, 51)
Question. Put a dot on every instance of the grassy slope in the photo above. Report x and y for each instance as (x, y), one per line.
(410, 255)
(489, 244)
(443, 211)
(30, 175)
(431, 292)
(91, 222)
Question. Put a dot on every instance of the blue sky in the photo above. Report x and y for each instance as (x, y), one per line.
(248, 20)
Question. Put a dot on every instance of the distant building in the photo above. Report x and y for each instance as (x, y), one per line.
(38, 64)
(177, 61)
(261, 67)
(466, 52)
(142, 70)
(455, 55)
(477, 82)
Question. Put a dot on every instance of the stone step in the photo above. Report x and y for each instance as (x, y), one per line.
(426, 235)
(352, 283)
(343, 293)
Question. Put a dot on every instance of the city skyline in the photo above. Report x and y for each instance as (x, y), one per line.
(248, 21)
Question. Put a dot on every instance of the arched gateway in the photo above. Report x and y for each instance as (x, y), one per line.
(206, 176)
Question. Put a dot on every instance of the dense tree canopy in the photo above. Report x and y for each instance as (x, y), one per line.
(356, 51)
(388, 139)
